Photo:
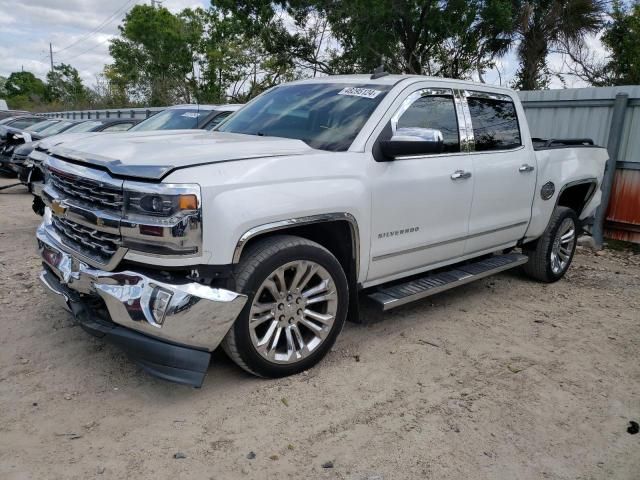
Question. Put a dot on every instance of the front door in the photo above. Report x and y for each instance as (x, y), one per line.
(504, 172)
(421, 204)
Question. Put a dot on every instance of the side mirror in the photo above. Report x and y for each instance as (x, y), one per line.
(413, 141)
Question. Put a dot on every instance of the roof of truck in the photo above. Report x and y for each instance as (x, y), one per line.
(392, 79)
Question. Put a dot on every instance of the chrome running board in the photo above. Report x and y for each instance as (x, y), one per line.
(388, 297)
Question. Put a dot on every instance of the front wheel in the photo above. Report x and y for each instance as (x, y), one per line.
(297, 304)
(551, 255)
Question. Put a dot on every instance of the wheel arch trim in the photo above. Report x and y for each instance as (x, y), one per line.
(301, 221)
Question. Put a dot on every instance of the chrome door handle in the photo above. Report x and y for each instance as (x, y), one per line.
(460, 175)
(526, 168)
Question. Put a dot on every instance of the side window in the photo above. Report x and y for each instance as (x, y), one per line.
(216, 120)
(495, 123)
(437, 112)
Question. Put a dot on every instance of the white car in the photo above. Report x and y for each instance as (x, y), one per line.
(259, 236)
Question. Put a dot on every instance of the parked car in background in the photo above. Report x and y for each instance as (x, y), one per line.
(38, 131)
(176, 120)
(14, 118)
(188, 116)
(17, 122)
(21, 152)
(259, 236)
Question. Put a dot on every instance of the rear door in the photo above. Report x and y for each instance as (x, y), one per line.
(504, 171)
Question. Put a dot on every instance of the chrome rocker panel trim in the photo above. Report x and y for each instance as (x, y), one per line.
(195, 315)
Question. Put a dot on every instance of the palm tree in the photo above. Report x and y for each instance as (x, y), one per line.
(542, 25)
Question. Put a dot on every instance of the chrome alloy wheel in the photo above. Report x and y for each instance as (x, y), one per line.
(293, 312)
(563, 244)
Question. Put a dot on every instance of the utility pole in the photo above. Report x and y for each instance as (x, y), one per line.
(51, 55)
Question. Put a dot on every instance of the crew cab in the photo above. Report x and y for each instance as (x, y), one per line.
(262, 235)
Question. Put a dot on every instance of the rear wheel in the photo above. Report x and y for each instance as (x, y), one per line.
(551, 255)
(297, 304)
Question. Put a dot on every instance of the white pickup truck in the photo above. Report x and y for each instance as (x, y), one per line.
(260, 236)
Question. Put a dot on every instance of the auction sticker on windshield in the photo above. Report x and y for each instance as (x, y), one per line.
(360, 92)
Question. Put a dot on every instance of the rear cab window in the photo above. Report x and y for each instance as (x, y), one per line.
(495, 122)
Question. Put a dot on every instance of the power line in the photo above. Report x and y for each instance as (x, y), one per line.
(86, 51)
(107, 21)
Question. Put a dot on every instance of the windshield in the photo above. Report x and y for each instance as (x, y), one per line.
(84, 127)
(55, 128)
(38, 127)
(326, 116)
(23, 122)
(172, 119)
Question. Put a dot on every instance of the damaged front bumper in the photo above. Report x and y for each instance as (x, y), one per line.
(170, 329)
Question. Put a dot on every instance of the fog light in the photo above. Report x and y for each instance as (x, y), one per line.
(160, 303)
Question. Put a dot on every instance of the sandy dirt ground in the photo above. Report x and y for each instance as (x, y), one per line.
(502, 379)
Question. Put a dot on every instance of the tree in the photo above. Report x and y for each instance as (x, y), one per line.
(3, 82)
(433, 37)
(154, 57)
(546, 24)
(24, 84)
(65, 85)
(622, 38)
(24, 90)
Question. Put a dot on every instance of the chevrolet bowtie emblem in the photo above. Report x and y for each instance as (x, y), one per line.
(58, 208)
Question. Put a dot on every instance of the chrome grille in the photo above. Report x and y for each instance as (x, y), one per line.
(86, 239)
(87, 190)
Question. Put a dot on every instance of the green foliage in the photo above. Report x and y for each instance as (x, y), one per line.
(24, 84)
(443, 38)
(154, 57)
(446, 38)
(64, 85)
(233, 51)
(622, 38)
(545, 24)
(24, 89)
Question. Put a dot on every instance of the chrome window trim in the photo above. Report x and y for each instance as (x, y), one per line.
(493, 152)
(470, 137)
(296, 222)
(465, 134)
(426, 92)
(407, 102)
(490, 96)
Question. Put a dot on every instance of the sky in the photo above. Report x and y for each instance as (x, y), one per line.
(79, 31)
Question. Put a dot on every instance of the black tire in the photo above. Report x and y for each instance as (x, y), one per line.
(539, 265)
(256, 264)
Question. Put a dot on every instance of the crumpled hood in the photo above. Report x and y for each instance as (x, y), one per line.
(51, 142)
(153, 155)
